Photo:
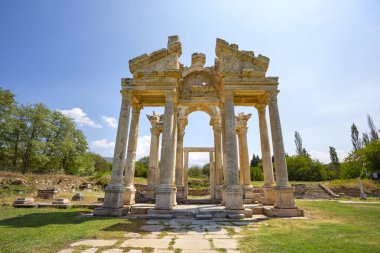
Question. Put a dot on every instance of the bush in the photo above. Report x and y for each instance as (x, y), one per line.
(196, 172)
(257, 173)
(303, 168)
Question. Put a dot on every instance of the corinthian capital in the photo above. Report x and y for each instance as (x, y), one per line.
(170, 95)
(272, 95)
(136, 108)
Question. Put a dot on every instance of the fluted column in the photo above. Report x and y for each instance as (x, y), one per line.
(245, 157)
(269, 197)
(234, 193)
(241, 161)
(212, 175)
(113, 199)
(218, 159)
(129, 175)
(153, 159)
(182, 122)
(186, 174)
(165, 190)
(284, 192)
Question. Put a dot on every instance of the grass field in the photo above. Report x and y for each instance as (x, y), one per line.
(331, 227)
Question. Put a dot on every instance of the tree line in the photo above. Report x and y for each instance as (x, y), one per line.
(362, 161)
(35, 139)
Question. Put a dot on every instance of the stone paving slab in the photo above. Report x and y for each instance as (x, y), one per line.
(151, 243)
(151, 228)
(90, 250)
(119, 251)
(94, 243)
(191, 244)
(225, 243)
(199, 251)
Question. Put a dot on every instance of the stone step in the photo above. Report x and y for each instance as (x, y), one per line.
(203, 216)
(157, 216)
(236, 216)
(140, 209)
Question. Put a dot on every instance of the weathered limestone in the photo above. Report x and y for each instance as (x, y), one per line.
(153, 172)
(218, 160)
(284, 193)
(238, 78)
(245, 173)
(233, 190)
(269, 196)
(182, 122)
(165, 190)
(129, 195)
(113, 199)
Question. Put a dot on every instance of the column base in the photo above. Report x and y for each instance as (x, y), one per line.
(149, 193)
(234, 197)
(269, 195)
(284, 197)
(165, 197)
(113, 197)
(180, 192)
(129, 195)
(218, 192)
(114, 212)
(248, 191)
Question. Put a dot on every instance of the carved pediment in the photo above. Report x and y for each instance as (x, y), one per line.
(231, 60)
(198, 84)
(158, 61)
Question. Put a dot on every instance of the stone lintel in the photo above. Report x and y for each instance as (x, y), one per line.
(198, 149)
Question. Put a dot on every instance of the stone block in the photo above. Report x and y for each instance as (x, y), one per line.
(61, 203)
(77, 197)
(24, 202)
(236, 216)
(284, 212)
(234, 197)
(284, 197)
(269, 196)
(203, 217)
(129, 195)
(113, 212)
(248, 213)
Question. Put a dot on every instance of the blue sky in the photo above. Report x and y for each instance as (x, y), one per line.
(71, 55)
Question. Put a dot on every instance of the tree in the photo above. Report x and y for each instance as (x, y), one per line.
(303, 168)
(365, 139)
(356, 141)
(257, 172)
(373, 132)
(255, 161)
(206, 170)
(142, 167)
(298, 142)
(299, 149)
(333, 155)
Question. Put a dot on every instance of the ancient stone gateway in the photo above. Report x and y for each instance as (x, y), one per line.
(238, 78)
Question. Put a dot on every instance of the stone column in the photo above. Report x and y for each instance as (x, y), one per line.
(234, 193)
(166, 189)
(129, 175)
(245, 173)
(212, 175)
(218, 160)
(153, 161)
(241, 162)
(283, 191)
(157, 173)
(224, 165)
(186, 174)
(182, 122)
(113, 199)
(269, 197)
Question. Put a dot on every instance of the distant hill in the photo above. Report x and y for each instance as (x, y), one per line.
(108, 159)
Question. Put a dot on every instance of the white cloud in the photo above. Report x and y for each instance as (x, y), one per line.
(80, 117)
(103, 144)
(325, 156)
(112, 122)
(143, 146)
(199, 158)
